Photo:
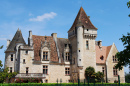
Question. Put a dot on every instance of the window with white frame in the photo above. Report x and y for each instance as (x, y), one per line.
(45, 69)
(115, 73)
(67, 56)
(45, 55)
(114, 59)
(67, 71)
(10, 69)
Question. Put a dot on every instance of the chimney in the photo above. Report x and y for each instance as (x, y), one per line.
(54, 35)
(30, 34)
(30, 41)
(100, 44)
(8, 42)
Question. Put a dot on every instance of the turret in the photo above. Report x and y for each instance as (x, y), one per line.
(79, 30)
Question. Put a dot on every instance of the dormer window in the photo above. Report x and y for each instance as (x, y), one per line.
(67, 56)
(45, 55)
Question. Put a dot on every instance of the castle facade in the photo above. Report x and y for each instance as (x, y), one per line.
(50, 58)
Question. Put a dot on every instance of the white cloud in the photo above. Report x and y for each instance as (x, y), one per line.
(3, 39)
(48, 16)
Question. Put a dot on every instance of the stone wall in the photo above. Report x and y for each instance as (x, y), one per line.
(111, 64)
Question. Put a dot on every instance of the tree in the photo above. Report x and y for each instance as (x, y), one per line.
(99, 76)
(124, 56)
(1, 47)
(89, 71)
(4, 72)
(127, 78)
(128, 4)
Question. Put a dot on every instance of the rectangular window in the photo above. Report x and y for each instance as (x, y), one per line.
(114, 59)
(26, 52)
(67, 71)
(45, 55)
(87, 45)
(103, 70)
(67, 56)
(10, 69)
(27, 69)
(45, 69)
(11, 57)
(115, 73)
(24, 61)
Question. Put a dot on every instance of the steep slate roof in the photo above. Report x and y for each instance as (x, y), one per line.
(82, 16)
(18, 38)
(61, 45)
(37, 47)
(102, 52)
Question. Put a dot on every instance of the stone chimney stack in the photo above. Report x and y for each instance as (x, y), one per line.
(30, 41)
(8, 42)
(100, 44)
(54, 35)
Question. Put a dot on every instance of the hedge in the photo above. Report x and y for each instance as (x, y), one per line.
(63, 84)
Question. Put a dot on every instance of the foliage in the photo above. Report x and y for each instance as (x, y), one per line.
(128, 4)
(63, 84)
(124, 56)
(4, 74)
(127, 78)
(27, 80)
(99, 75)
(1, 47)
(89, 71)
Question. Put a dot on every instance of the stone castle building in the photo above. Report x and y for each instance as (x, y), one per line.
(51, 58)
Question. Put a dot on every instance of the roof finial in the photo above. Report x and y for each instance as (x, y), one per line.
(18, 29)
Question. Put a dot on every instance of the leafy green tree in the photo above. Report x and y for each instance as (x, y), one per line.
(4, 72)
(99, 76)
(127, 78)
(128, 4)
(124, 56)
(1, 47)
(89, 71)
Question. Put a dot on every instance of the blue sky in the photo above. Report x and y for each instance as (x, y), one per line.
(44, 17)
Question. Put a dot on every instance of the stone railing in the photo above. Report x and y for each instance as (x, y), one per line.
(30, 75)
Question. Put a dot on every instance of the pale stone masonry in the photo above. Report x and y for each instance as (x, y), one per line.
(50, 58)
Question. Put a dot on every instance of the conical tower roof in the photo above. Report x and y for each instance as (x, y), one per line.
(83, 19)
(18, 38)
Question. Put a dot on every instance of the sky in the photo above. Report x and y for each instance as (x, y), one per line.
(44, 17)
